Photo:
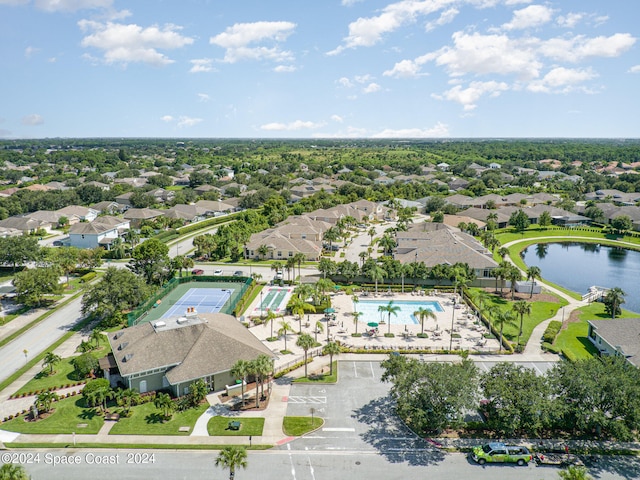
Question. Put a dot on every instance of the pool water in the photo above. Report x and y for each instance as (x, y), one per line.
(404, 316)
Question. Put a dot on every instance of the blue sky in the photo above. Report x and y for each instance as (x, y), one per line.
(323, 68)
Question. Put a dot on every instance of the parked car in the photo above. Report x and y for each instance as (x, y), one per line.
(238, 273)
(497, 452)
(197, 271)
(218, 272)
(278, 276)
(57, 243)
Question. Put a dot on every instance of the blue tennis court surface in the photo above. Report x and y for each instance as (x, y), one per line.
(203, 300)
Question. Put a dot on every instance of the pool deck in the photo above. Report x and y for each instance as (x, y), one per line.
(342, 326)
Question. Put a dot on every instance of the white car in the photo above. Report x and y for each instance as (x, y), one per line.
(278, 276)
(218, 272)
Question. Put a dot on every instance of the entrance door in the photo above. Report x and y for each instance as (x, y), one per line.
(143, 386)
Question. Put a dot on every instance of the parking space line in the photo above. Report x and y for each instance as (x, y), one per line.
(355, 370)
(373, 375)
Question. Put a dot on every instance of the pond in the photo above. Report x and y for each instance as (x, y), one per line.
(578, 266)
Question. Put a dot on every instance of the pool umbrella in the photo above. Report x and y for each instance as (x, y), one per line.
(372, 324)
(337, 287)
(329, 310)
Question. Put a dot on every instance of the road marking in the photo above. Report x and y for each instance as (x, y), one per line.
(355, 371)
(373, 375)
(302, 399)
(329, 429)
(293, 469)
(311, 471)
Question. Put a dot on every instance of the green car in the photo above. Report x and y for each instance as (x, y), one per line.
(496, 452)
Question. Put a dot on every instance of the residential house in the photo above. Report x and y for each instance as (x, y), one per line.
(175, 352)
(444, 246)
(109, 208)
(619, 337)
(99, 233)
(215, 207)
(26, 225)
(138, 215)
(190, 213)
(100, 185)
(53, 217)
(281, 247)
(85, 214)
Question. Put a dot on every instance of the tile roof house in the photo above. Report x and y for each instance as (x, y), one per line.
(99, 233)
(26, 224)
(139, 215)
(444, 246)
(619, 337)
(175, 352)
(281, 247)
(85, 214)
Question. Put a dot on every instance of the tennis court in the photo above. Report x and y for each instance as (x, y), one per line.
(202, 296)
(203, 300)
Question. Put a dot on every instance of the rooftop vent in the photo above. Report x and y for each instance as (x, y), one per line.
(159, 324)
(127, 357)
(122, 346)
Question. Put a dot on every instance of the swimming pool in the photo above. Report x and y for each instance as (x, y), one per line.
(370, 313)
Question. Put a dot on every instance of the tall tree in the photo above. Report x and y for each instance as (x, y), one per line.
(331, 349)
(501, 318)
(533, 272)
(522, 308)
(117, 290)
(612, 301)
(285, 328)
(240, 370)
(33, 284)
(19, 250)
(305, 342)
(391, 309)
(50, 360)
(232, 457)
(150, 259)
(424, 313)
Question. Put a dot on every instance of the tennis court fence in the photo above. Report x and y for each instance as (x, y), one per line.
(137, 315)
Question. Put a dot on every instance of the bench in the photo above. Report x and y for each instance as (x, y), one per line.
(184, 429)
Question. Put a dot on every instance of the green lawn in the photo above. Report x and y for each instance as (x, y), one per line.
(67, 417)
(320, 378)
(146, 420)
(63, 373)
(540, 311)
(574, 341)
(219, 426)
(296, 426)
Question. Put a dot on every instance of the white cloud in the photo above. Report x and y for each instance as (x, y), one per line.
(445, 17)
(123, 44)
(366, 32)
(529, 17)
(487, 54)
(404, 69)
(166, 118)
(13, 2)
(337, 118)
(344, 82)
(438, 131)
(184, 121)
(237, 38)
(33, 119)
(635, 69)
(204, 97)
(468, 97)
(570, 20)
(200, 65)
(285, 69)
(29, 51)
(349, 3)
(561, 80)
(296, 125)
(577, 48)
(372, 88)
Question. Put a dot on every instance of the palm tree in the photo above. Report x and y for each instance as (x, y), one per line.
(263, 368)
(501, 318)
(503, 252)
(480, 298)
(50, 360)
(522, 308)
(164, 403)
(198, 391)
(45, 399)
(372, 233)
(240, 370)
(355, 301)
(263, 250)
(422, 314)
(331, 349)
(388, 243)
(298, 306)
(299, 258)
(533, 272)
(96, 336)
(513, 275)
(356, 315)
(277, 266)
(391, 309)
(290, 265)
(362, 256)
(232, 457)
(271, 316)
(331, 235)
(285, 328)
(377, 274)
(613, 299)
(127, 397)
(305, 342)
(574, 472)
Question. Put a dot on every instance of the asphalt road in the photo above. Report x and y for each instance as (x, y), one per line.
(293, 465)
(39, 338)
